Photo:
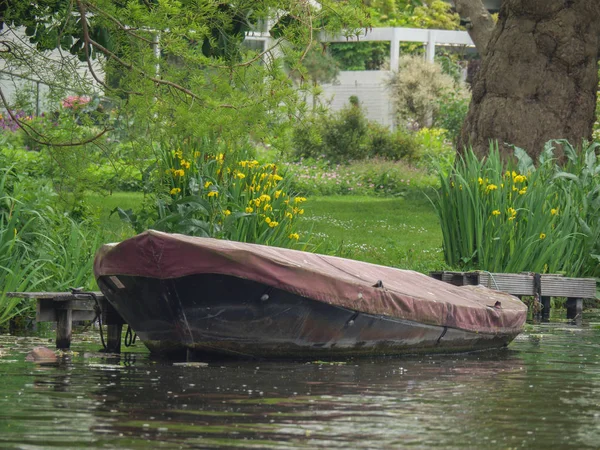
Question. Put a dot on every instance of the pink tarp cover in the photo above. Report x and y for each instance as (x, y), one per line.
(343, 282)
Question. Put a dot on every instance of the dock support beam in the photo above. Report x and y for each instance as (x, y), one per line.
(113, 338)
(64, 327)
(114, 324)
(546, 305)
(574, 308)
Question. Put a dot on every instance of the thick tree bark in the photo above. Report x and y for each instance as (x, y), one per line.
(539, 78)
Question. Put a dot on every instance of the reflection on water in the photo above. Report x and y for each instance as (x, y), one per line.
(544, 391)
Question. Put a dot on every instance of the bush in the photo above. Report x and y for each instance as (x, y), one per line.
(349, 136)
(394, 146)
(452, 110)
(346, 135)
(339, 137)
(435, 151)
(416, 88)
(307, 139)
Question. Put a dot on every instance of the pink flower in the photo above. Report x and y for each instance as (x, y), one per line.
(75, 101)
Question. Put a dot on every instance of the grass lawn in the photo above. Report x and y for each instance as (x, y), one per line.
(399, 232)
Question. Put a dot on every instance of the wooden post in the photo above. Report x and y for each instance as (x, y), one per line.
(114, 324)
(64, 321)
(545, 307)
(574, 307)
(113, 338)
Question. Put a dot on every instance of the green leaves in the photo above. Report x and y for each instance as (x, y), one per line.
(40, 248)
(541, 219)
(211, 188)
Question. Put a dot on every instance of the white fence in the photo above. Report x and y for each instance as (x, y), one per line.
(369, 87)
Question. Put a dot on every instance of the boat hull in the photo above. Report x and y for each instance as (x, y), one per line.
(213, 315)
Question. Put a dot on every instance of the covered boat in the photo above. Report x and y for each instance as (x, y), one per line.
(217, 298)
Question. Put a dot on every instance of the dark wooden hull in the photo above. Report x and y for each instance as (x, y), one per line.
(218, 315)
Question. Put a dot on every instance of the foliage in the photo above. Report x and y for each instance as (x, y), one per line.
(436, 14)
(391, 13)
(452, 107)
(391, 145)
(535, 219)
(207, 81)
(347, 135)
(579, 180)
(68, 251)
(41, 248)
(340, 136)
(435, 151)
(405, 13)
(320, 66)
(361, 55)
(208, 189)
(416, 88)
(373, 177)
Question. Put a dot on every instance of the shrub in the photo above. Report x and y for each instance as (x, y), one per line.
(341, 136)
(348, 135)
(416, 88)
(435, 151)
(307, 138)
(452, 108)
(396, 145)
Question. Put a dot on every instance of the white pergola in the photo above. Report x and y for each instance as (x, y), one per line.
(429, 38)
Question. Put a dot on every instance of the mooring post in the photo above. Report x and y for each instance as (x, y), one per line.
(546, 305)
(113, 338)
(64, 324)
(574, 307)
(114, 324)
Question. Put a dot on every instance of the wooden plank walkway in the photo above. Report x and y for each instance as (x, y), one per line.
(65, 307)
(541, 286)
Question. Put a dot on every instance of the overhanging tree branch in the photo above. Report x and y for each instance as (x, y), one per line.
(89, 42)
(28, 130)
(479, 22)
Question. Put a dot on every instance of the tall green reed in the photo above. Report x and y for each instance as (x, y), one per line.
(39, 249)
(20, 269)
(499, 219)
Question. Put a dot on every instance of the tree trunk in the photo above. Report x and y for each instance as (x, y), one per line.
(479, 23)
(539, 78)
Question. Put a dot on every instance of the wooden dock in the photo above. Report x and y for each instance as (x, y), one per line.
(540, 286)
(66, 307)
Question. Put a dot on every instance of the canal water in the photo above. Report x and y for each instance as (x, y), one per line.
(541, 392)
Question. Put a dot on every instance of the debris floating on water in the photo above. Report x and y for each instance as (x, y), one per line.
(41, 355)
